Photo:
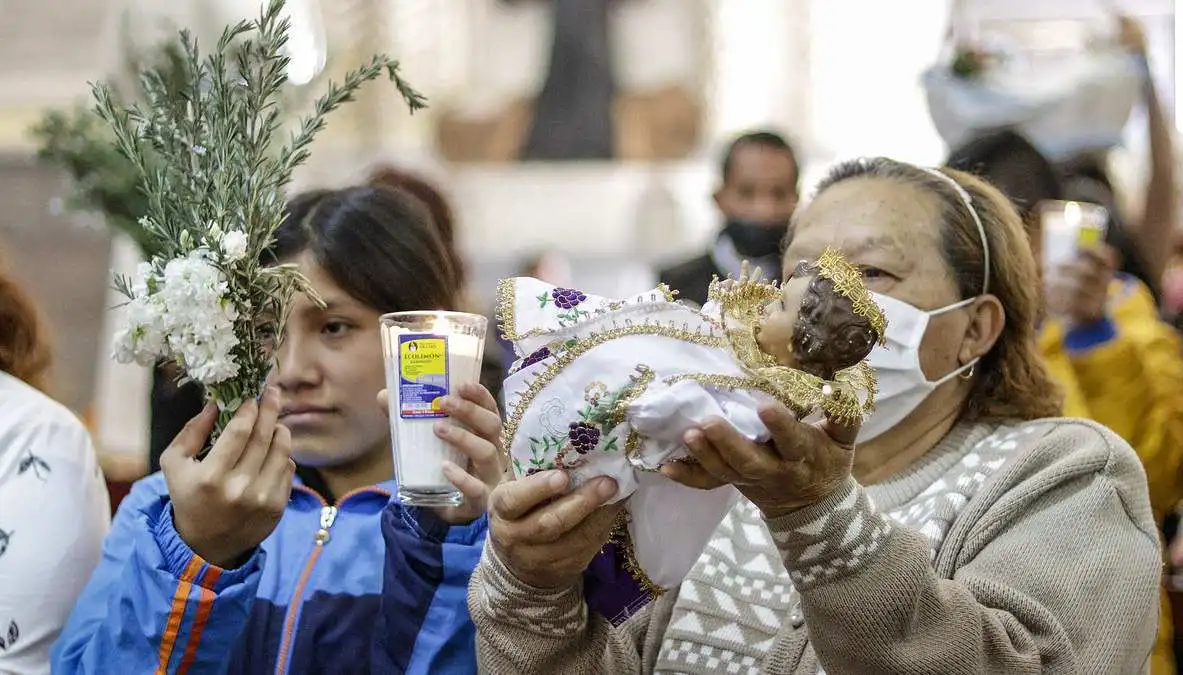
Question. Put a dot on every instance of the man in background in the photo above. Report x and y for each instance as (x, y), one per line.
(757, 197)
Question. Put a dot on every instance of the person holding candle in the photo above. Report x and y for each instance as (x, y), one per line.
(1107, 348)
(283, 551)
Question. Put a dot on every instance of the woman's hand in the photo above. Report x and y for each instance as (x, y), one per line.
(473, 427)
(1078, 290)
(545, 537)
(229, 502)
(803, 464)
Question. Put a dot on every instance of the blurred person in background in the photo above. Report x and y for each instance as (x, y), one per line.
(442, 215)
(1117, 362)
(53, 501)
(550, 266)
(1144, 244)
(757, 197)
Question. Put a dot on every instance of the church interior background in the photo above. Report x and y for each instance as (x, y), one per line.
(840, 77)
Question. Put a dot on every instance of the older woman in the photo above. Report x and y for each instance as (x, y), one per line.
(971, 532)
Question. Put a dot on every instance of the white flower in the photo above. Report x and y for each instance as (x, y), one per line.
(140, 282)
(234, 245)
(182, 313)
(143, 339)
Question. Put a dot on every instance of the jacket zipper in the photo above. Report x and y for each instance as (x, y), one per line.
(328, 516)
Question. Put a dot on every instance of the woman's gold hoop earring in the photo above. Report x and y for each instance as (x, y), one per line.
(969, 373)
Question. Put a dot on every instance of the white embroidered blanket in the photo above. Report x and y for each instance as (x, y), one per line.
(597, 390)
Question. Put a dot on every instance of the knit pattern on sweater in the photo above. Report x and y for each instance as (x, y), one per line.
(731, 606)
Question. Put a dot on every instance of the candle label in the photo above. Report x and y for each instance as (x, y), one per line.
(423, 375)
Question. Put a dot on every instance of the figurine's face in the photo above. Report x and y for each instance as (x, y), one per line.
(814, 328)
(776, 333)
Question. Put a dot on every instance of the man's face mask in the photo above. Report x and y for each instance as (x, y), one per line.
(754, 239)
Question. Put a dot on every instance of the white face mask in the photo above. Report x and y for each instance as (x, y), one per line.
(902, 385)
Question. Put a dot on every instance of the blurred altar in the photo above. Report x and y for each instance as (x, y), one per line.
(840, 77)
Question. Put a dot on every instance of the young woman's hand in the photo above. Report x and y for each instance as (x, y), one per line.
(226, 504)
(474, 429)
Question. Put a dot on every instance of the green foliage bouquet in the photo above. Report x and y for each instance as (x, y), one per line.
(202, 148)
(78, 141)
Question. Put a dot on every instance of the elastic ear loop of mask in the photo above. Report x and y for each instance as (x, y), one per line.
(973, 212)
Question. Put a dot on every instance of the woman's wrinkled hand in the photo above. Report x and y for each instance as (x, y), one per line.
(802, 465)
(473, 427)
(546, 536)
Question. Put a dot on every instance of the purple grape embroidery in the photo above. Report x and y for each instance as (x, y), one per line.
(567, 298)
(583, 436)
(531, 359)
(536, 357)
(567, 301)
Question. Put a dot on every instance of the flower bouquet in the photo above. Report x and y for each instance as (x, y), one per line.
(202, 145)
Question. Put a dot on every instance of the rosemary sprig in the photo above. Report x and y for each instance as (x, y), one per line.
(203, 144)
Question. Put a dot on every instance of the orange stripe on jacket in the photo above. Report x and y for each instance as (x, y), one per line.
(205, 605)
(176, 613)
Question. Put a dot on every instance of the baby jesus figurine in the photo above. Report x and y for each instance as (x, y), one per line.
(610, 387)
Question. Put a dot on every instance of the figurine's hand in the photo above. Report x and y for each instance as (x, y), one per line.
(802, 465)
(746, 275)
(228, 503)
(474, 429)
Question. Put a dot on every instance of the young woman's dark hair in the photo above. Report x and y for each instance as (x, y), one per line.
(24, 344)
(378, 244)
(436, 203)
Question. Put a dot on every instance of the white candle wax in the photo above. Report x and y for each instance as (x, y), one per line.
(425, 367)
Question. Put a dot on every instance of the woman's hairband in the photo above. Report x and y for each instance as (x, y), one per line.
(973, 212)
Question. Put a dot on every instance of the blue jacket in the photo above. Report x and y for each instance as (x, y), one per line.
(384, 593)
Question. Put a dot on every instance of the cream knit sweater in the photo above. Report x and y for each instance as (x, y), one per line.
(1006, 549)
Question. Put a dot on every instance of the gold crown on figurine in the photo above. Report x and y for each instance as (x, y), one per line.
(848, 282)
(745, 300)
(744, 305)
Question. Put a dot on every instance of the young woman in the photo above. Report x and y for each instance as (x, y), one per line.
(250, 562)
(53, 501)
